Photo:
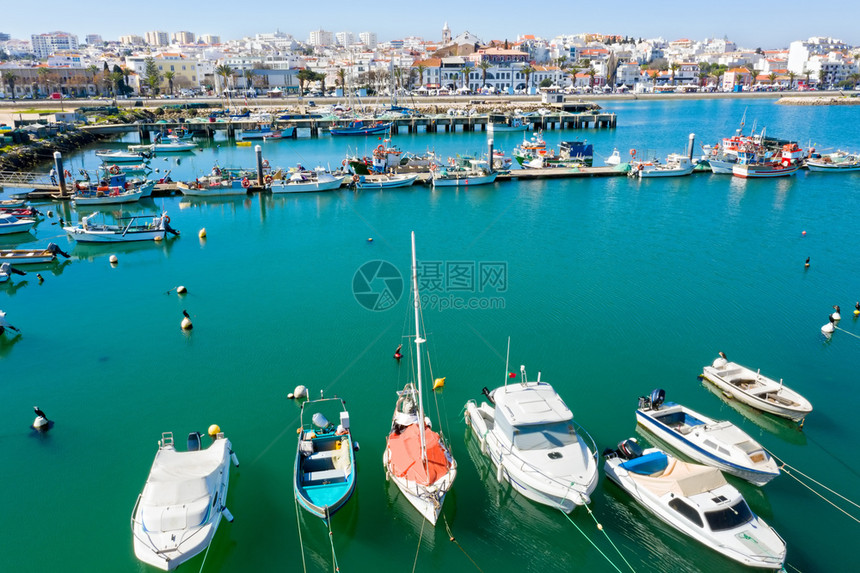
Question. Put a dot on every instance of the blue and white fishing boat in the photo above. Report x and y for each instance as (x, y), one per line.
(697, 501)
(324, 472)
(359, 127)
(720, 444)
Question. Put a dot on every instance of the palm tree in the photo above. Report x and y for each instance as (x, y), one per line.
(421, 69)
(225, 72)
(484, 66)
(591, 72)
(304, 76)
(854, 78)
(93, 71)
(43, 74)
(791, 76)
(822, 76)
(674, 67)
(717, 74)
(771, 77)
(465, 71)
(527, 72)
(703, 76)
(341, 79)
(653, 74)
(249, 76)
(169, 75)
(9, 78)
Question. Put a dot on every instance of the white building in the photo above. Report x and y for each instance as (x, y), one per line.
(368, 39)
(46, 44)
(183, 37)
(65, 59)
(345, 39)
(210, 39)
(132, 40)
(94, 40)
(321, 39)
(157, 38)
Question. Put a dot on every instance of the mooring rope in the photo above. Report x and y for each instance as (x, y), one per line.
(457, 543)
(205, 555)
(785, 467)
(301, 543)
(335, 566)
(590, 541)
(793, 567)
(600, 527)
(417, 549)
(845, 331)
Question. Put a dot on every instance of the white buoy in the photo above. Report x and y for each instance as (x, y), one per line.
(828, 329)
(181, 290)
(836, 316)
(40, 423)
(300, 392)
(186, 322)
(202, 233)
(720, 362)
(113, 260)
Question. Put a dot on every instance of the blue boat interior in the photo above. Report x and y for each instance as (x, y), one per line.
(676, 419)
(648, 464)
(326, 472)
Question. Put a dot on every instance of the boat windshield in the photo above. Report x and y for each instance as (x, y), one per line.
(544, 436)
(730, 517)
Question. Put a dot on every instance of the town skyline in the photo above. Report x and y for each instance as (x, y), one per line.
(751, 25)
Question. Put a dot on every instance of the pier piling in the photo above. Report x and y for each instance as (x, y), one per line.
(258, 150)
(58, 165)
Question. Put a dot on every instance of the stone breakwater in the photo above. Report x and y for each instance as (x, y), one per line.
(38, 151)
(820, 100)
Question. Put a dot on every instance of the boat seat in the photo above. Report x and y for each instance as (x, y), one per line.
(326, 454)
(317, 478)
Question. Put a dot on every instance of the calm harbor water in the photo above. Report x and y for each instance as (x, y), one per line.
(609, 287)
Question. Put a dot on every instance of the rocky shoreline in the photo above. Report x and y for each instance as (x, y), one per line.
(27, 157)
(820, 100)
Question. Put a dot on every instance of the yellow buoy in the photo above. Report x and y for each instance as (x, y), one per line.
(438, 383)
(202, 233)
(214, 430)
(157, 238)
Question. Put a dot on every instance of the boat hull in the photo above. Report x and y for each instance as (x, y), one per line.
(212, 191)
(107, 199)
(464, 181)
(19, 226)
(747, 171)
(386, 182)
(652, 173)
(769, 401)
(832, 167)
(374, 130)
(26, 256)
(427, 499)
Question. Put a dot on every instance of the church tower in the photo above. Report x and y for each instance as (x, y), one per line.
(446, 34)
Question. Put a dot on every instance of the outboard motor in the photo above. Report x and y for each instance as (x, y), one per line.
(194, 441)
(486, 393)
(657, 398)
(320, 421)
(629, 449)
(55, 250)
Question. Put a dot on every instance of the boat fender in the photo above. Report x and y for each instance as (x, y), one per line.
(828, 328)
(181, 290)
(246, 183)
(268, 179)
(234, 458)
(227, 515)
(486, 392)
(837, 316)
(721, 361)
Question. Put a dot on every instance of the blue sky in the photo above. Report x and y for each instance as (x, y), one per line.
(750, 23)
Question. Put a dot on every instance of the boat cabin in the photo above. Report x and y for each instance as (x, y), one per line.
(533, 417)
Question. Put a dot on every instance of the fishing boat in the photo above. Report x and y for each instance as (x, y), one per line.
(416, 458)
(720, 444)
(528, 433)
(501, 123)
(750, 166)
(126, 169)
(105, 195)
(304, 181)
(31, 256)
(697, 501)
(837, 162)
(385, 180)
(13, 203)
(360, 127)
(118, 156)
(533, 154)
(324, 471)
(133, 228)
(755, 390)
(474, 172)
(114, 183)
(22, 212)
(388, 157)
(676, 165)
(178, 512)
(10, 224)
(218, 185)
(266, 132)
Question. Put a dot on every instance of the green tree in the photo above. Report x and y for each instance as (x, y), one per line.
(465, 72)
(527, 72)
(854, 79)
(341, 79)
(791, 76)
(703, 77)
(152, 76)
(591, 72)
(822, 77)
(674, 67)
(9, 78)
(771, 77)
(43, 74)
(304, 76)
(421, 69)
(484, 66)
(169, 76)
(226, 72)
(545, 83)
(249, 76)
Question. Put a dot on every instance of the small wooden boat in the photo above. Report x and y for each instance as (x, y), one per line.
(10, 224)
(118, 156)
(31, 256)
(106, 196)
(476, 173)
(303, 181)
(324, 471)
(838, 162)
(179, 510)
(360, 128)
(7, 270)
(697, 501)
(385, 181)
(720, 444)
(13, 203)
(215, 187)
(755, 390)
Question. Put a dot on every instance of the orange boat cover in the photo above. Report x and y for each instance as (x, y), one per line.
(405, 457)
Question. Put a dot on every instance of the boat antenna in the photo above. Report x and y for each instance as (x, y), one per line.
(507, 359)
(418, 342)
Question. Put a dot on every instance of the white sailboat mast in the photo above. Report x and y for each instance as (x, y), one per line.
(418, 342)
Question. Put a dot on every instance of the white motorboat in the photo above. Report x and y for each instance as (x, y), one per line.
(529, 434)
(302, 181)
(384, 180)
(477, 172)
(755, 390)
(135, 228)
(213, 187)
(676, 165)
(720, 444)
(178, 512)
(416, 458)
(119, 156)
(697, 501)
(107, 196)
(7, 270)
(31, 256)
(172, 146)
(10, 224)
(837, 162)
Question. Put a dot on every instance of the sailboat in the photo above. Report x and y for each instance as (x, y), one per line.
(416, 458)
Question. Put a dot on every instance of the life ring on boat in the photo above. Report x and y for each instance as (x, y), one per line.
(268, 179)
(432, 167)
(67, 174)
(114, 169)
(355, 178)
(343, 162)
(632, 153)
(166, 219)
(380, 147)
(114, 193)
(246, 183)
(265, 164)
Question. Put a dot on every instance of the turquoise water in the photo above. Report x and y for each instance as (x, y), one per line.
(613, 287)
